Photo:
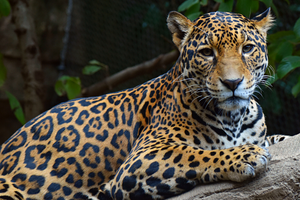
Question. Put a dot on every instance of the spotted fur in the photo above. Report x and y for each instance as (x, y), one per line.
(198, 123)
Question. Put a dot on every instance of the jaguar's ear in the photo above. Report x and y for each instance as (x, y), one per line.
(179, 26)
(263, 22)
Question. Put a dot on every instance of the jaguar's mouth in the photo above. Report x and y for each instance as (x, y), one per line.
(233, 103)
(234, 99)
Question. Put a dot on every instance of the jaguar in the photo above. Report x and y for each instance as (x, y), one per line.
(198, 123)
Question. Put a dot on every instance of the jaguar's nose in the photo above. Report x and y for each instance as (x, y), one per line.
(232, 84)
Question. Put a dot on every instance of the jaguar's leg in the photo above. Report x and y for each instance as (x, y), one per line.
(9, 190)
(274, 139)
(159, 171)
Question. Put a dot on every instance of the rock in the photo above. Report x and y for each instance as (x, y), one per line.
(280, 181)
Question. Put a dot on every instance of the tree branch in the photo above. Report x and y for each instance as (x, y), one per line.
(281, 180)
(31, 65)
(157, 63)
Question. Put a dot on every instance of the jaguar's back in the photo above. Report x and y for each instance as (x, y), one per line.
(197, 123)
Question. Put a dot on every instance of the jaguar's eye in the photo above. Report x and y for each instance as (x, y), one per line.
(247, 48)
(207, 52)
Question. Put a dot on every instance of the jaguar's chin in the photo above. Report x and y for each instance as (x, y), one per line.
(233, 103)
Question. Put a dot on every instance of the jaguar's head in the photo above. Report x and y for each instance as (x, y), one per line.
(223, 56)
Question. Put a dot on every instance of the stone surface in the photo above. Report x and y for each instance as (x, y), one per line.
(281, 180)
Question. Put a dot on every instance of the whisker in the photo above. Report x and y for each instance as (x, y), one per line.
(259, 93)
(176, 79)
(194, 92)
(195, 89)
(271, 70)
(185, 79)
(208, 102)
(200, 99)
(258, 87)
(255, 96)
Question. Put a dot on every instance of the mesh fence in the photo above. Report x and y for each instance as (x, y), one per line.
(123, 33)
(118, 34)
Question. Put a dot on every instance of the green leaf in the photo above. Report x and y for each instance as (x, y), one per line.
(94, 62)
(4, 8)
(2, 71)
(193, 16)
(226, 6)
(193, 12)
(274, 9)
(204, 2)
(90, 69)
(16, 107)
(73, 87)
(297, 28)
(281, 45)
(268, 3)
(246, 7)
(279, 51)
(64, 78)
(69, 85)
(254, 6)
(243, 7)
(93, 67)
(59, 87)
(280, 36)
(187, 4)
(287, 65)
(284, 50)
(296, 89)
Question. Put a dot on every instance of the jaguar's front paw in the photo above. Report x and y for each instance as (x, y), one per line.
(245, 162)
(237, 164)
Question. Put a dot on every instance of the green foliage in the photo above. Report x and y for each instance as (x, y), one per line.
(192, 8)
(287, 65)
(187, 4)
(4, 8)
(296, 88)
(283, 54)
(93, 67)
(68, 84)
(268, 3)
(246, 7)
(225, 5)
(280, 46)
(297, 29)
(16, 107)
(72, 85)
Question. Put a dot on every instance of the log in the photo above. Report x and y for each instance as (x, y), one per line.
(280, 181)
(159, 62)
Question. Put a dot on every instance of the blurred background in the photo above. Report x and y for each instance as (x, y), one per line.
(119, 34)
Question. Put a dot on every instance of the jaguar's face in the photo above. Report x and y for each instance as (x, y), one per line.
(223, 57)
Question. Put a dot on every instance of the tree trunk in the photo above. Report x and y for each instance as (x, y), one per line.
(31, 64)
(280, 181)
